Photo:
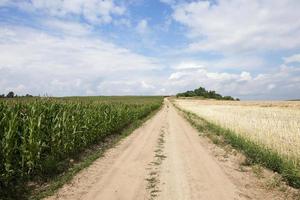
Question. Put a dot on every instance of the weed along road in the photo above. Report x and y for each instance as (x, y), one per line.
(163, 159)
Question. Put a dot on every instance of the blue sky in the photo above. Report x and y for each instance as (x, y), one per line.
(246, 49)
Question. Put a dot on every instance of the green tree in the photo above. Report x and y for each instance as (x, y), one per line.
(11, 94)
(202, 92)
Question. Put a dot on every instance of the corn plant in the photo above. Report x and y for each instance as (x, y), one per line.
(35, 136)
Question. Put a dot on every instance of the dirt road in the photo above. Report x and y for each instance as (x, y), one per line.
(163, 159)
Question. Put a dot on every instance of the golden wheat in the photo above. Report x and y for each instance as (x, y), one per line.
(275, 125)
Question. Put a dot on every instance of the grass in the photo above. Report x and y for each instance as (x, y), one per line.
(257, 170)
(153, 178)
(255, 153)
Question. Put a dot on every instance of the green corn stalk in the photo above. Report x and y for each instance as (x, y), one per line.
(36, 135)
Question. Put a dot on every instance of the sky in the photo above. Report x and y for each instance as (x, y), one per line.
(249, 49)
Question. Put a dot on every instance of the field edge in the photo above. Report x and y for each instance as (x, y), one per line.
(255, 154)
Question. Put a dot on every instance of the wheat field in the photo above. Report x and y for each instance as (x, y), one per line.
(273, 124)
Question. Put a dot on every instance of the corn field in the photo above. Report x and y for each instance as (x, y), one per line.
(36, 135)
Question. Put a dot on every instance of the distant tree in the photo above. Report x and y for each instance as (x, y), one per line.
(2, 95)
(29, 95)
(228, 98)
(11, 94)
(202, 92)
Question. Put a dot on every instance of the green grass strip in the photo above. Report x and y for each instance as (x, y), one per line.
(255, 153)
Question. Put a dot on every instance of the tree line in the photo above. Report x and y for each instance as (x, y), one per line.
(11, 94)
(209, 94)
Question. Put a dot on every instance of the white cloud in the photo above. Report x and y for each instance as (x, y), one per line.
(67, 65)
(241, 26)
(67, 27)
(178, 75)
(271, 86)
(142, 26)
(188, 65)
(230, 62)
(245, 76)
(282, 83)
(3, 2)
(36, 62)
(65, 57)
(293, 58)
(170, 2)
(147, 85)
(128, 87)
(94, 11)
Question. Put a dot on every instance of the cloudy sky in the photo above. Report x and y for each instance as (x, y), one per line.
(244, 48)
